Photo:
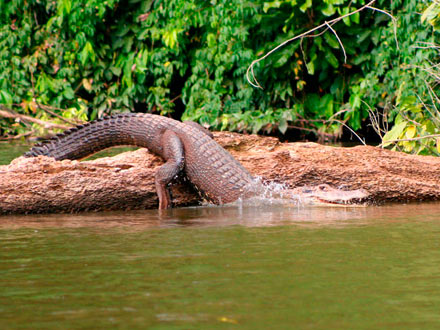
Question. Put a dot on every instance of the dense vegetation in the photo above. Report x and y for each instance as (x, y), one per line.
(76, 60)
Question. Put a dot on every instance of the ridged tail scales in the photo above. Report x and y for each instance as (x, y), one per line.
(84, 140)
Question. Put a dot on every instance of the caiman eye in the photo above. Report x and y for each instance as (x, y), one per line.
(323, 187)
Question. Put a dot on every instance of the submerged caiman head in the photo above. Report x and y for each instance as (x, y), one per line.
(325, 195)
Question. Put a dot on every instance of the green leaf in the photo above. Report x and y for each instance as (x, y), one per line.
(67, 6)
(394, 133)
(87, 53)
(355, 18)
(68, 93)
(327, 104)
(211, 40)
(313, 103)
(331, 40)
(5, 97)
(282, 125)
(170, 37)
(87, 84)
(307, 4)
(116, 71)
(311, 65)
(430, 13)
(300, 84)
(329, 10)
(410, 131)
(355, 101)
(332, 59)
(272, 4)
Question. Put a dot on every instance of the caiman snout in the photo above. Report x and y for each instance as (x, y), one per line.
(324, 194)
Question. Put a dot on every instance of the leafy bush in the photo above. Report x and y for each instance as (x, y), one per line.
(397, 81)
(85, 58)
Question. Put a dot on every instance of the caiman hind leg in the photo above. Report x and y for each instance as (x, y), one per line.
(173, 153)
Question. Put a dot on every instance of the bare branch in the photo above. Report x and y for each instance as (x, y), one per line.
(431, 93)
(328, 135)
(339, 40)
(16, 137)
(428, 45)
(47, 109)
(392, 18)
(375, 122)
(250, 76)
(7, 113)
(434, 117)
(430, 136)
(350, 129)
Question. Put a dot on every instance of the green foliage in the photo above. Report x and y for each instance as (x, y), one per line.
(432, 15)
(93, 57)
(408, 82)
(410, 124)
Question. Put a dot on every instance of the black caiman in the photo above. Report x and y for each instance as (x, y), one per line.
(185, 146)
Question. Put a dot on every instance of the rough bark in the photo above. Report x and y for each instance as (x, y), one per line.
(126, 181)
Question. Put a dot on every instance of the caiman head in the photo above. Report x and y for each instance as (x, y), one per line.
(325, 195)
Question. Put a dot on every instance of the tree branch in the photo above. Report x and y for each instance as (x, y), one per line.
(250, 75)
(430, 136)
(8, 113)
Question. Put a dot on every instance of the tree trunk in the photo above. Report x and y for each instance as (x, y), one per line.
(126, 181)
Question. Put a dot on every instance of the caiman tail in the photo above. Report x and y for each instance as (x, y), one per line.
(84, 140)
(186, 147)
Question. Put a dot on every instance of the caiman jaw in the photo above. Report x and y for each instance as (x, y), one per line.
(328, 196)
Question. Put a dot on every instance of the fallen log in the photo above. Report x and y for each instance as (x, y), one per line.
(126, 181)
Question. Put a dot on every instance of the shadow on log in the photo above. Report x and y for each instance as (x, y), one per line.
(126, 181)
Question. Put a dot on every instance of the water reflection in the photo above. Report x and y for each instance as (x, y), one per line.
(9, 151)
(243, 215)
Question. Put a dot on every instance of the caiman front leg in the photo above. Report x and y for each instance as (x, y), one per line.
(173, 153)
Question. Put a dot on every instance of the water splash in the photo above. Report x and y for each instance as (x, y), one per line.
(269, 194)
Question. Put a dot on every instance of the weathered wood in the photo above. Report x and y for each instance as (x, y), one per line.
(126, 181)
